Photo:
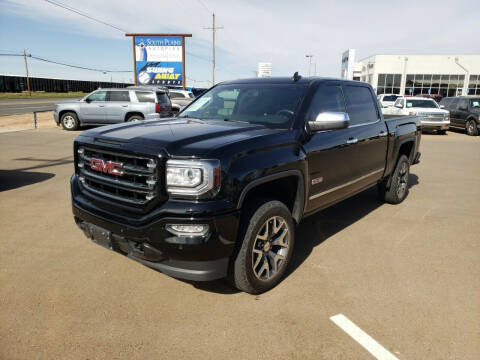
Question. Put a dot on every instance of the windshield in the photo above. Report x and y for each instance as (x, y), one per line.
(272, 105)
(390, 97)
(475, 103)
(422, 104)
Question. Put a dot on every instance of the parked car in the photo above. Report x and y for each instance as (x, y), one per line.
(180, 99)
(464, 112)
(388, 99)
(219, 189)
(429, 112)
(386, 110)
(110, 106)
(436, 97)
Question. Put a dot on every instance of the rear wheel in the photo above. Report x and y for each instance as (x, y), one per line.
(134, 118)
(69, 121)
(399, 182)
(266, 248)
(472, 128)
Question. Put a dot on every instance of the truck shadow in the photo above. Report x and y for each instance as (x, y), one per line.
(316, 229)
(12, 179)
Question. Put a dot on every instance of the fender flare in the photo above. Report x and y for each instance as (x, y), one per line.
(299, 203)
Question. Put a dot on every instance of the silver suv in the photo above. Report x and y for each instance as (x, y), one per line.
(111, 106)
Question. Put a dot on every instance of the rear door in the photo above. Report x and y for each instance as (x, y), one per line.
(452, 106)
(165, 104)
(462, 112)
(368, 133)
(118, 102)
(93, 109)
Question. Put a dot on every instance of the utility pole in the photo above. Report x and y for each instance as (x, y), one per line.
(26, 69)
(213, 28)
(309, 56)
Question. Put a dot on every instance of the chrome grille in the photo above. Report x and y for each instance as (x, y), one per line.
(134, 180)
(431, 116)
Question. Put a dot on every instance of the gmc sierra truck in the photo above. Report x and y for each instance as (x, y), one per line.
(217, 191)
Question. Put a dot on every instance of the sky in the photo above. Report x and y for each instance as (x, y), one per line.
(280, 32)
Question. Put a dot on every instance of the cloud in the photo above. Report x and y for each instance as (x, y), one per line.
(281, 32)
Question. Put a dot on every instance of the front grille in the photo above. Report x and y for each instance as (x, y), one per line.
(431, 116)
(129, 178)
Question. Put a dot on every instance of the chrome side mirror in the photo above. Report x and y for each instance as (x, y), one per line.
(442, 106)
(329, 121)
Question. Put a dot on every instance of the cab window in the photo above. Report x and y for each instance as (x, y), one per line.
(360, 106)
(326, 99)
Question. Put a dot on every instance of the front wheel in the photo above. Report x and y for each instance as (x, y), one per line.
(134, 118)
(441, 132)
(69, 121)
(472, 128)
(399, 182)
(266, 248)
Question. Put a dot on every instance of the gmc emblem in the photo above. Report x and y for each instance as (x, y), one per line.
(108, 167)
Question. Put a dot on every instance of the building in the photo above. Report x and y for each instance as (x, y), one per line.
(447, 75)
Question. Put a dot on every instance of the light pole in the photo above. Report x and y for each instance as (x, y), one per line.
(309, 56)
(466, 79)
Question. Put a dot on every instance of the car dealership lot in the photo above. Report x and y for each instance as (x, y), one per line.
(408, 275)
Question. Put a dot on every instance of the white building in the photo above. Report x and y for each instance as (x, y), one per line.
(447, 75)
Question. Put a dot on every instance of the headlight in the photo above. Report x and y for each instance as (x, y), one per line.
(446, 116)
(193, 178)
(411, 113)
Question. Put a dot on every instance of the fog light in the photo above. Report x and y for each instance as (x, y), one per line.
(81, 151)
(187, 229)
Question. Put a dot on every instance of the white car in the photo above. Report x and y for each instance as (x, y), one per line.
(388, 99)
(430, 114)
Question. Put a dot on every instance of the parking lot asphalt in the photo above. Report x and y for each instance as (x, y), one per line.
(408, 275)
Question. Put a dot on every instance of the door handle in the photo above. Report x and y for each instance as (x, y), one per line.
(101, 105)
(352, 141)
(383, 133)
(124, 105)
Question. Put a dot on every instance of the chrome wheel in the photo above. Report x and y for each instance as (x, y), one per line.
(403, 180)
(69, 121)
(471, 128)
(270, 248)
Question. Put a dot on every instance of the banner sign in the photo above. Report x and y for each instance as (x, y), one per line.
(158, 60)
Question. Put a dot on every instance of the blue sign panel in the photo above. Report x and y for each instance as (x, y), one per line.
(158, 60)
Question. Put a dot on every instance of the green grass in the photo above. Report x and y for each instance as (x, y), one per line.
(41, 94)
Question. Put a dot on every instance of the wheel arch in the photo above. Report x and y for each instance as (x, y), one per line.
(133, 113)
(274, 185)
(63, 112)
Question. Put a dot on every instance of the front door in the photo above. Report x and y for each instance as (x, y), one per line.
(330, 155)
(92, 109)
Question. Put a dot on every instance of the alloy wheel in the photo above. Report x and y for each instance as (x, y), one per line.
(270, 248)
(403, 180)
(69, 121)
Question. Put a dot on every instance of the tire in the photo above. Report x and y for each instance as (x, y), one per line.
(69, 121)
(135, 118)
(471, 127)
(266, 245)
(399, 182)
(442, 132)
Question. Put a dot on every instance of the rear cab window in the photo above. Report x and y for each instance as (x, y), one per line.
(360, 105)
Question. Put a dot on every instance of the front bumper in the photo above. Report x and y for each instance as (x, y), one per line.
(435, 125)
(199, 258)
(56, 117)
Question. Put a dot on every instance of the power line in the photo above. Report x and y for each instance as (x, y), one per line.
(68, 65)
(204, 6)
(69, 8)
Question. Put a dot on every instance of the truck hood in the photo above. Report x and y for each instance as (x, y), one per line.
(179, 137)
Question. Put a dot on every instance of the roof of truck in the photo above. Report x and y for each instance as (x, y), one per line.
(282, 80)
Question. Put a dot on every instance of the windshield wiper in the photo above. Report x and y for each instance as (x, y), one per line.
(238, 121)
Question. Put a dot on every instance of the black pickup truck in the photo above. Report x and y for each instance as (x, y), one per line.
(217, 191)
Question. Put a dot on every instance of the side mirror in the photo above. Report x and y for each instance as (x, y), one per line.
(400, 106)
(329, 121)
(88, 101)
(442, 106)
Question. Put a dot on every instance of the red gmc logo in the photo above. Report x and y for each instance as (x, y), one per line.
(108, 167)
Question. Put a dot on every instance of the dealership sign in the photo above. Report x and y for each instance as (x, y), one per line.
(159, 59)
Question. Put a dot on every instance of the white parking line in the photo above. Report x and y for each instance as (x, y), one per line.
(360, 336)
